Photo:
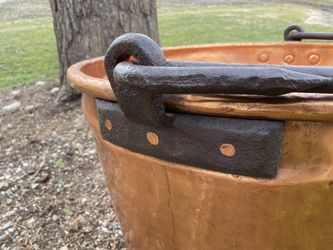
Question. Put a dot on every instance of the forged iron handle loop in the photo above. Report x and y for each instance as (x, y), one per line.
(146, 52)
(297, 33)
(139, 87)
(139, 46)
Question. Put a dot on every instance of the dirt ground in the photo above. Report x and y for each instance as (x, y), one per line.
(52, 192)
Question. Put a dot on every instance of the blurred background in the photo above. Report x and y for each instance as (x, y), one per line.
(28, 48)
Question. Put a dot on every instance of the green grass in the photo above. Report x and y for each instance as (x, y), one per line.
(28, 52)
(230, 23)
(28, 49)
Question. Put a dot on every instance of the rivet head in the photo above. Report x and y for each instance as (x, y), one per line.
(227, 150)
(314, 59)
(108, 124)
(263, 57)
(289, 58)
(153, 138)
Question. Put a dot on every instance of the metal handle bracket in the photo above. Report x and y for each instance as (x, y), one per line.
(297, 33)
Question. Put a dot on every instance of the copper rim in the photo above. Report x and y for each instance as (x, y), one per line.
(89, 77)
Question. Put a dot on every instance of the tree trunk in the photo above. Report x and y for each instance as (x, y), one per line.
(85, 28)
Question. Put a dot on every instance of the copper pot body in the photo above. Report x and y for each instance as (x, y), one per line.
(164, 205)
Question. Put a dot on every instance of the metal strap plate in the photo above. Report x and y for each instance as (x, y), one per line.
(228, 145)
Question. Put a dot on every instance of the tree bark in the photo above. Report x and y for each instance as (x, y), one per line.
(85, 28)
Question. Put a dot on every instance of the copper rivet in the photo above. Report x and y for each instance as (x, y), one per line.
(228, 150)
(263, 57)
(108, 124)
(153, 138)
(289, 58)
(314, 59)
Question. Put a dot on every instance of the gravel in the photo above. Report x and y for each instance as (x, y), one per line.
(12, 106)
(47, 158)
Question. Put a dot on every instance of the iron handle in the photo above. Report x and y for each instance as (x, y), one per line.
(313, 70)
(149, 82)
(259, 80)
(297, 33)
(140, 86)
